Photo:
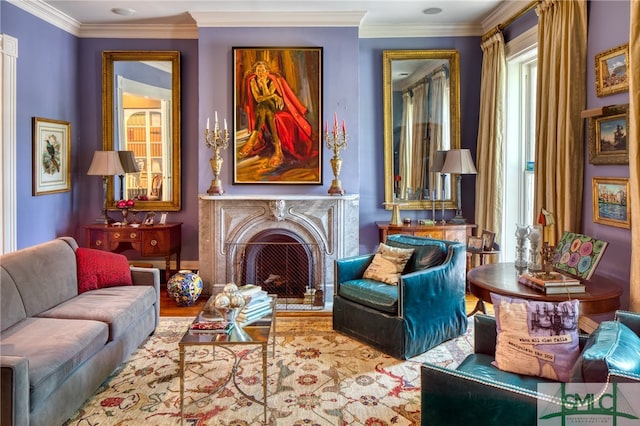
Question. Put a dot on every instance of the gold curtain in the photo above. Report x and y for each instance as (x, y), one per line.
(634, 152)
(562, 55)
(489, 204)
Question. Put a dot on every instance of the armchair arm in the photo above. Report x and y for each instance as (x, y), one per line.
(14, 390)
(630, 319)
(351, 268)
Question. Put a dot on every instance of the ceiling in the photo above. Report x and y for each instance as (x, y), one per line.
(374, 18)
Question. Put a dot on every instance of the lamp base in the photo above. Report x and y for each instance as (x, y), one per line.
(457, 220)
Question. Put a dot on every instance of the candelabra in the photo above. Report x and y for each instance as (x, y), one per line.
(522, 232)
(535, 234)
(336, 141)
(556, 320)
(547, 260)
(217, 140)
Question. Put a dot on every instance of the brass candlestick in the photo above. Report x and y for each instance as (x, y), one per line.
(335, 142)
(216, 140)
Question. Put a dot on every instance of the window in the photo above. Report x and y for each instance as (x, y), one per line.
(519, 148)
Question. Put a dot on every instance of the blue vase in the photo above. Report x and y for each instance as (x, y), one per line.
(185, 287)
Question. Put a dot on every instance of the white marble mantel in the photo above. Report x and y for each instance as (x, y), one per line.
(331, 222)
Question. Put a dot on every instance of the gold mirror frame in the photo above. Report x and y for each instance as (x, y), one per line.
(111, 142)
(390, 57)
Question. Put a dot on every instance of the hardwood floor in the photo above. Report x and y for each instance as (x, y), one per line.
(168, 308)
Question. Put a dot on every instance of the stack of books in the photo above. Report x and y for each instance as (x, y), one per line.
(556, 284)
(259, 304)
(216, 327)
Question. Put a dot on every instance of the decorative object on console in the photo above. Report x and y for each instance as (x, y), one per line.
(124, 206)
(335, 142)
(536, 338)
(184, 287)
(51, 156)
(217, 140)
(438, 163)
(459, 161)
(129, 165)
(395, 213)
(105, 164)
(578, 254)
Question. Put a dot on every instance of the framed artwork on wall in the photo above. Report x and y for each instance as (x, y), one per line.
(51, 156)
(611, 71)
(608, 136)
(277, 126)
(610, 201)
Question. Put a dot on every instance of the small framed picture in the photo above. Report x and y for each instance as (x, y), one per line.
(487, 240)
(611, 202)
(611, 71)
(163, 218)
(51, 156)
(608, 136)
(149, 219)
(474, 243)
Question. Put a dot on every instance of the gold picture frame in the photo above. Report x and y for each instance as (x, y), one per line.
(611, 70)
(51, 156)
(611, 201)
(607, 135)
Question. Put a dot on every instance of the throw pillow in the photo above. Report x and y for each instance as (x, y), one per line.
(387, 264)
(99, 269)
(536, 338)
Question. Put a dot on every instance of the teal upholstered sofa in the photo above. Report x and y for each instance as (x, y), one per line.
(426, 308)
(490, 396)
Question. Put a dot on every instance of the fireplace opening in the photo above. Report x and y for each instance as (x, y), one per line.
(282, 264)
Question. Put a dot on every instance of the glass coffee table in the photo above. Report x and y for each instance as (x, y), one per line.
(260, 333)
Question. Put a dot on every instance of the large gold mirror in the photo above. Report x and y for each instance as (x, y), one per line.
(421, 117)
(141, 113)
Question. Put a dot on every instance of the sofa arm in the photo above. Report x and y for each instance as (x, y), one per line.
(630, 319)
(14, 390)
(351, 268)
(149, 277)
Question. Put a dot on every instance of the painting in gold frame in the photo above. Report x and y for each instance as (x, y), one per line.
(608, 132)
(277, 126)
(51, 156)
(611, 201)
(611, 70)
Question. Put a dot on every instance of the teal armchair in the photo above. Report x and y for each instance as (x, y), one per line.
(426, 308)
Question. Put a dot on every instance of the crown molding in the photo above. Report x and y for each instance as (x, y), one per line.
(49, 14)
(278, 19)
(396, 31)
(159, 31)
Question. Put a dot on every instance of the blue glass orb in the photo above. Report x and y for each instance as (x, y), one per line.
(184, 287)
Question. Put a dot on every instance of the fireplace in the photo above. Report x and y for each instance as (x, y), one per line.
(286, 244)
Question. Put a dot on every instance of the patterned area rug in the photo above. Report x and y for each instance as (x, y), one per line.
(317, 377)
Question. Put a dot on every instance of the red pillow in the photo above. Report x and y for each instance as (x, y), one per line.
(99, 269)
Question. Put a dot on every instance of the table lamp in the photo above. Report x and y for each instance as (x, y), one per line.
(105, 164)
(459, 161)
(436, 167)
(129, 165)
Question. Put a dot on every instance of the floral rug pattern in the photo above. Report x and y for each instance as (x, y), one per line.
(316, 377)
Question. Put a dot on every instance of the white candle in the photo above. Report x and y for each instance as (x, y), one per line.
(216, 116)
(225, 124)
(207, 123)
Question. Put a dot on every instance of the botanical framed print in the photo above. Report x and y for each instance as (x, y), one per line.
(610, 201)
(51, 156)
(277, 125)
(611, 71)
(608, 136)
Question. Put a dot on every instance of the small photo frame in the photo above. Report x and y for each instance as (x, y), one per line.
(611, 71)
(608, 132)
(610, 201)
(487, 240)
(149, 219)
(51, 156)
(474, 243)
(163, 218)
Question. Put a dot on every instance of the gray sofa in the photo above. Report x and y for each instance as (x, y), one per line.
(58, 346)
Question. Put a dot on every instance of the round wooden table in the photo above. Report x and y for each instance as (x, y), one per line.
(601, 296)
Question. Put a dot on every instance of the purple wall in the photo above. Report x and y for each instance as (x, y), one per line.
(608, 28)
(46, 88)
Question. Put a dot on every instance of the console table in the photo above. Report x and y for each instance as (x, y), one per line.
(148, 241)
(448, 232)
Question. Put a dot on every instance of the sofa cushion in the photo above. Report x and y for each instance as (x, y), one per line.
(387, 264)
(527, 342)
(612, 346)
(11, 306)
(100, 269)
(371, 293)
(118, 307)
(54, 348)
(427, 252)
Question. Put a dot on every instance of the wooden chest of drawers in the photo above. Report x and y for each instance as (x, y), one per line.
(440, 232)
